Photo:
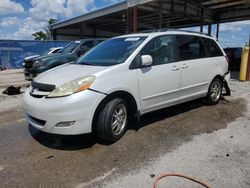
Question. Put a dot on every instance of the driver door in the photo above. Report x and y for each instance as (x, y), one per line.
(159, 84)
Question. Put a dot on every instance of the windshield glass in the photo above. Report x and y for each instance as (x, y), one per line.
(111, 52)
(69, 48)
(45, 52)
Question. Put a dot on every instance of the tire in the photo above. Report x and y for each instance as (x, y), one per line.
(114, 111)
(214, 92)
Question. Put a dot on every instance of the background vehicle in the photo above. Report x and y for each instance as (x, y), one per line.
(70, 52)
(124, 78)
(234, 57)
(50, 51)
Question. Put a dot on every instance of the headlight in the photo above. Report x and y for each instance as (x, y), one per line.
(39, 63)
(71, 87)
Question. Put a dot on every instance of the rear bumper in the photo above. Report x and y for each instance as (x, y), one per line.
(226, 82)
(227, 76)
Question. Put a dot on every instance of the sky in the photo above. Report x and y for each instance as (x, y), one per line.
(20, 18)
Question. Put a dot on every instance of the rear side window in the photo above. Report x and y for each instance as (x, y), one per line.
(161, 49)
(89, 44)
(190, 47)
(212, 47)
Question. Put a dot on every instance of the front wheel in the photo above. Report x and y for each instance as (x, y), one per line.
(214, 92)
(112, 121)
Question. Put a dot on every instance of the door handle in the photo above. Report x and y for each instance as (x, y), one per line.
(175, 68)
(184, 66)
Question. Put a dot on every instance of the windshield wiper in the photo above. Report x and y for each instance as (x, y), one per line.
(84, 63)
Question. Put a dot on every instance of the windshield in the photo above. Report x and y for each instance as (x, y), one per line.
(69, 48)
(111, 52)
(45, 52)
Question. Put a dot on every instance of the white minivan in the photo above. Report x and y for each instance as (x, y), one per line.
(124, 78)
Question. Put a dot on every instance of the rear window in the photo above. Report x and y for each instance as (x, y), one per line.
(190, 47)
(212, 47)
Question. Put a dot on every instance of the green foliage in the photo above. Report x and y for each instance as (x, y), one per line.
(40, 35)
(52, 21)
(44, 35)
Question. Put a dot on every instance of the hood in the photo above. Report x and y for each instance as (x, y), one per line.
(66, 73)
(49, 57)
(31, 57)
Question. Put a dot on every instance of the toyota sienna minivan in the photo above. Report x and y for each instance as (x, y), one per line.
(123, 78)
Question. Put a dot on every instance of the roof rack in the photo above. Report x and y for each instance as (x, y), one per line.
(166, 29)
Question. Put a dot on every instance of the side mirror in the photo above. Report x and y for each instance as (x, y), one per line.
(146, 60)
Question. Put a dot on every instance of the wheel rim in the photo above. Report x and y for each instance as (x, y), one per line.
(215, 91)
(119, 119)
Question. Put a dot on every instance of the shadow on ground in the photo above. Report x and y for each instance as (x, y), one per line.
(77, 142)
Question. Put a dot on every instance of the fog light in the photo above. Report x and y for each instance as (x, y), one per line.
(65, 124)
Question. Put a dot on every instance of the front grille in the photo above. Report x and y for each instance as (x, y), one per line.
(37, 121)
(28, 63)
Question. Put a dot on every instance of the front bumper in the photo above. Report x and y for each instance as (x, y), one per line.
(28, 76)
(45, 113)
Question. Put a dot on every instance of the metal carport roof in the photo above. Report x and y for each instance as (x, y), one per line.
(138, 15)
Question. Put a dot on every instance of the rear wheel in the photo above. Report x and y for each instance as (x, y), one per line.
(112, 121)
(214, 92)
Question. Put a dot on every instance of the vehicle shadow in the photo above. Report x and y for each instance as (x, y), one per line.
(164, 113)
(63, 142)
(84, 141)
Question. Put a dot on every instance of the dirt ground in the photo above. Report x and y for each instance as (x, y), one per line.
(207, 142)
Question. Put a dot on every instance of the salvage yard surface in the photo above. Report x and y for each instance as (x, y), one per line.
(210, 143)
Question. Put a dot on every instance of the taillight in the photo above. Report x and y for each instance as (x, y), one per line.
(227, 58)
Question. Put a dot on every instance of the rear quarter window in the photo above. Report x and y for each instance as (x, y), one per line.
(213, 49)
(190, 47)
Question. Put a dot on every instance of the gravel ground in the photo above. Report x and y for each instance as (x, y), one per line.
(221, 158)
(210, 143)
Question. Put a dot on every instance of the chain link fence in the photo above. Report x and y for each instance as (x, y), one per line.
(12, 52)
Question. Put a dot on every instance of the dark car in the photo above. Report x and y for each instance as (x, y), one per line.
(72, 51)
(234, 58)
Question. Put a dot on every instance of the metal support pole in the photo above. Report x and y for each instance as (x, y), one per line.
(53, 34)
(185, 7)
(202, 20)
(94, 31)
(9, 62)
(248, 68)
(217, 31)
(160, 15)
(128, 20)
(172, 6)
(82, 30)
(209, 29)
(249, 41)
(135, 19)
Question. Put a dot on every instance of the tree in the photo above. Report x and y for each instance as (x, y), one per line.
(40, 35)
(46, 34)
